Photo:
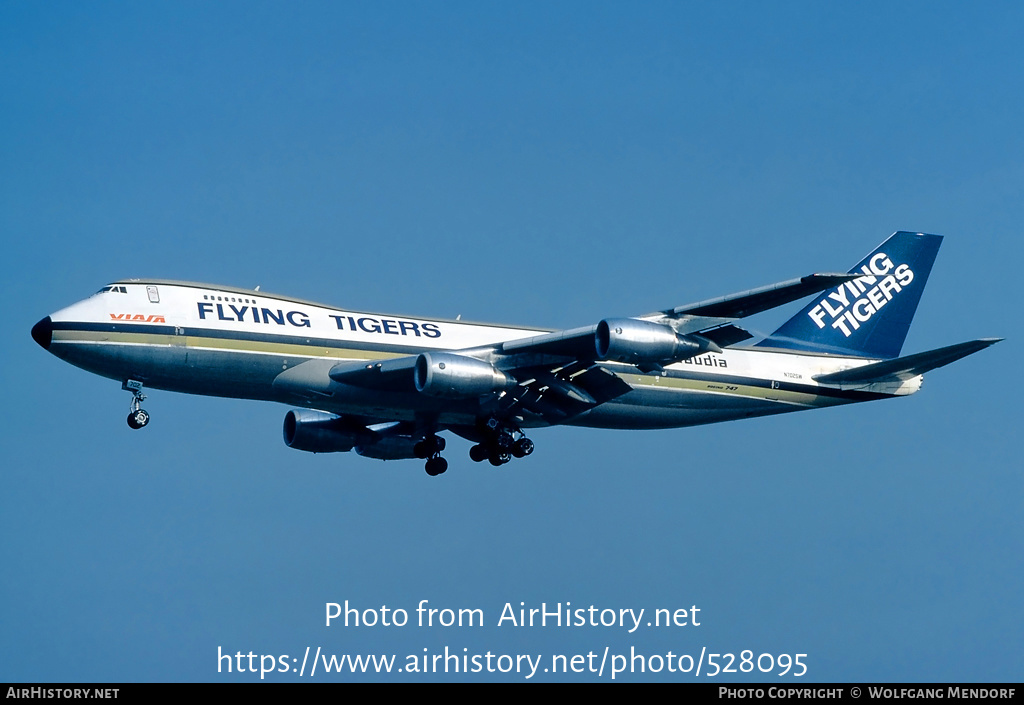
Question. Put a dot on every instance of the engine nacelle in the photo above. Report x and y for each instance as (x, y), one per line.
(643, 342)
(389, 448)
(320, 432)
(451, 376)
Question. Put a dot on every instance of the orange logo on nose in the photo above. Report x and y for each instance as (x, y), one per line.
(137, 317)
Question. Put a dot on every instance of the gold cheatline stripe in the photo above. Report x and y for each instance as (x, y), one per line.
(199, 343)
(742, 390)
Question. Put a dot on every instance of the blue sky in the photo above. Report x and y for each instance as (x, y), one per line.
(536, 164)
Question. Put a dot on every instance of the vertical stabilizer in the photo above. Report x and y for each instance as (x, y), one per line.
(870, 316)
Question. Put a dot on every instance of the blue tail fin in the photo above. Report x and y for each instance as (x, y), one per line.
(870, 316)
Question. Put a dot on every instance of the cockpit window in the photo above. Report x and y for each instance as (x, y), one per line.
(114, 289)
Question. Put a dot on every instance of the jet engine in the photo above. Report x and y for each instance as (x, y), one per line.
(451, 376)
(320, 432)
(641, 342)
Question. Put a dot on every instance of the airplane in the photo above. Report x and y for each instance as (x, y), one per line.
(387, 386)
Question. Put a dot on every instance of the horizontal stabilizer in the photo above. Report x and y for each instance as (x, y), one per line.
(902, 368)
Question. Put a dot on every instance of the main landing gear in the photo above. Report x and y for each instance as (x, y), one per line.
(502, 444)
(138, 417)
(430, 448)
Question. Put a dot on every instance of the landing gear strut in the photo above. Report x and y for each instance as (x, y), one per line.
(138, 417)
(501, 445)
(430, 448)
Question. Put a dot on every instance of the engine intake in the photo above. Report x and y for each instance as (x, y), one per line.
(451, 376)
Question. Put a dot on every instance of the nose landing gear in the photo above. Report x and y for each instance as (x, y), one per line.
(138, 417)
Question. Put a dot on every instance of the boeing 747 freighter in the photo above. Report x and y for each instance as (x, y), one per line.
(387, 386)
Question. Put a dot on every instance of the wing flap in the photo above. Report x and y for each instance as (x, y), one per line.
(569, 391)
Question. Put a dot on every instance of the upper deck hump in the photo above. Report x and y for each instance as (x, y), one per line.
(217, 288)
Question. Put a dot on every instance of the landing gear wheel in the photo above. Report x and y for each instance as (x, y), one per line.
(503, 442)
(522, 448)
(138, 418)
(499, 458)
(436, 466)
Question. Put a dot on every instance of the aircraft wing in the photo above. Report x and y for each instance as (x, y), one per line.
(701, 317)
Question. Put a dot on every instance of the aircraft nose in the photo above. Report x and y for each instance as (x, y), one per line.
(42, 332)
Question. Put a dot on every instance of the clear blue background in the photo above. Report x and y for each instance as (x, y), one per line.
(527, 163)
